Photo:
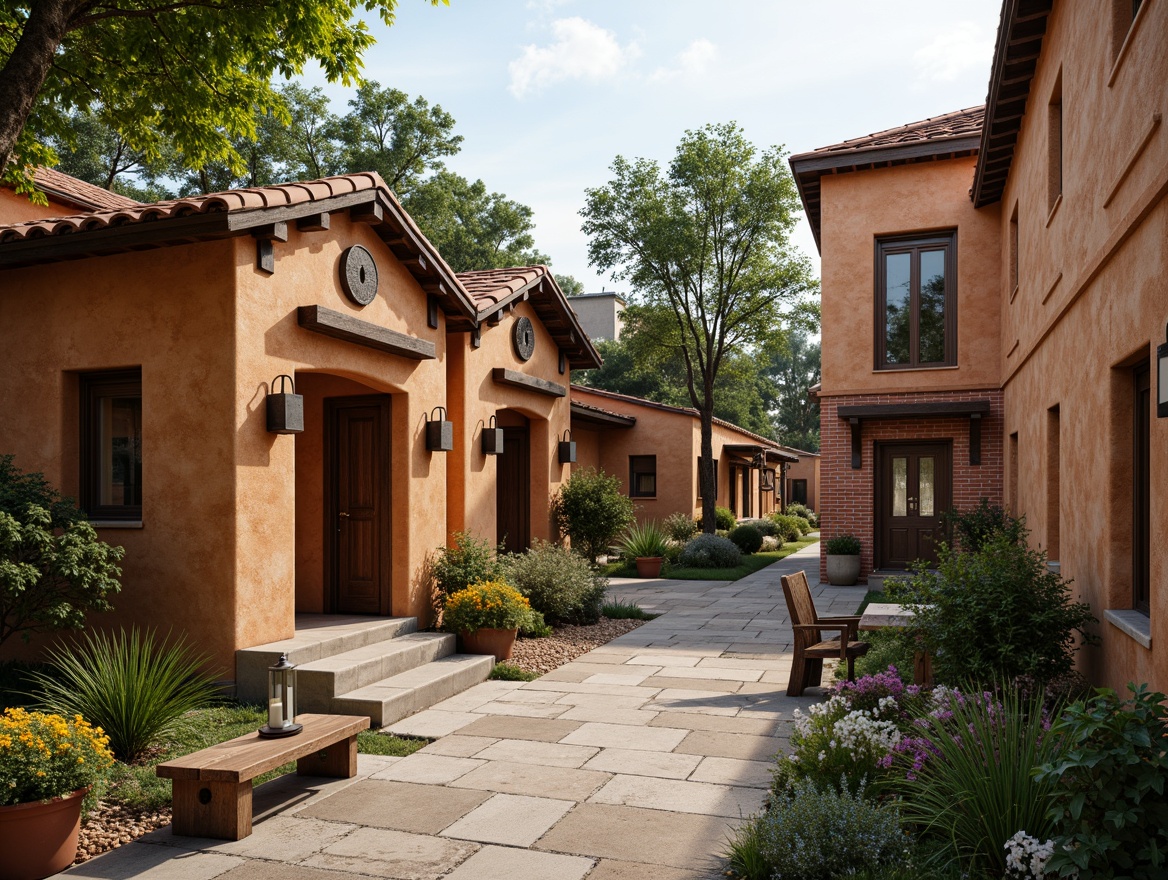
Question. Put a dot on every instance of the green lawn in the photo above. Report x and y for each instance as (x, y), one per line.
(136, 784)
(750, 564)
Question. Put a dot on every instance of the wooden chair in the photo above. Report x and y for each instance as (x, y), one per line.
(810, 648)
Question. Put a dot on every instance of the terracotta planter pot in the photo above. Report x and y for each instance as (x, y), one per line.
(649, 566)
(843, 571)
(489, 641)
(39, 839)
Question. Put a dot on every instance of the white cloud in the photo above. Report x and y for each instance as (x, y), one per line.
(582, 50)
(692, 61)
(960, 48)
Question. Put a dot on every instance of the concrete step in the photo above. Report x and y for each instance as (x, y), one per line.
(317, 636)
(319, 681)
(398, 696)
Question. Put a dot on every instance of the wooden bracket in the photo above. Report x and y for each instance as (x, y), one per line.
(476, 337)
(369, 212)
(432, 312)
(265, 256)
(313, 222)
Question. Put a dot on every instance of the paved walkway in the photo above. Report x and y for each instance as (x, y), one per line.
(633, 762)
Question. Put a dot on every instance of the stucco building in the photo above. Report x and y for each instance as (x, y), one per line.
(995, 288)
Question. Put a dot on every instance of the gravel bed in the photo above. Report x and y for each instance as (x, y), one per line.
(566, 644)
(108, 826)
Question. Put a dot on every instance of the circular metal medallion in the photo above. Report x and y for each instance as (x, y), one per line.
(523, 336)
(359, 275)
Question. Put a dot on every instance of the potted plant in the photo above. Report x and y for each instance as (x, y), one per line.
(487, 617)
(47, 765)
(843, 560)
(646, 543)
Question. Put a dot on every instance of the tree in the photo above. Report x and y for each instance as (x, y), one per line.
(193, 72)
(708, 242)
(793, 369)
(53, 568)
(591, 510)
(569, 285)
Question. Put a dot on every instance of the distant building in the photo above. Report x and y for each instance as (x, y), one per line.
(599, 314)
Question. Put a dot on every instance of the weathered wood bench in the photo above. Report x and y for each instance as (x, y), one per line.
(212, 787)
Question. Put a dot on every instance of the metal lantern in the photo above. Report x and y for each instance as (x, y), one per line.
(768, 480)
(439, 432)
(285, 411)
(281, 700)
(492, 438)
(567, 449)
(1162, 379)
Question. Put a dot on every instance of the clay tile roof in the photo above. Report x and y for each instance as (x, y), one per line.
(490, 287)
(949, 125)
(62, 187)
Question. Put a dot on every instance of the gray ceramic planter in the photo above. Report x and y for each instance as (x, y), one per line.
(843, 571)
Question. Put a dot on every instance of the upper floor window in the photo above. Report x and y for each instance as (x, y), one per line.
(1054, 145)
(111, 445)
(642, 476)
(916, 302)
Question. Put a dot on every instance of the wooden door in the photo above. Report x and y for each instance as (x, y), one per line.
(513, 491)
(357, 517)
(914, 487)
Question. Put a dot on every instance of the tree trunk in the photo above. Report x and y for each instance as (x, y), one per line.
(25, 71)
(707, 475)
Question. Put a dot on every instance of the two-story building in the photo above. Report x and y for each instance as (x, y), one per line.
(995, 292)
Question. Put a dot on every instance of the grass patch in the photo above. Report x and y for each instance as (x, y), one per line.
(511, 672)
(749, 565)
(625, 611)
(136, 784)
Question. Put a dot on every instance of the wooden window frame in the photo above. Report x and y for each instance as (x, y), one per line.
(914, 244)
(634, 471)
(94, 387)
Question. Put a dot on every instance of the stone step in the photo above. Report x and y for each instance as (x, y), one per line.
(319, 681)
(317, 636)
(409, 692)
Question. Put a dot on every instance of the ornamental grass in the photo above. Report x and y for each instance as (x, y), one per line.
(45, 756)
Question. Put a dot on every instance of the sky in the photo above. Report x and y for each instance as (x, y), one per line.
(546, 93)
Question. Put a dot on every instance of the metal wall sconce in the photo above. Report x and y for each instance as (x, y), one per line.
(439, 432)
(767, 483)
(1162, 378)
(285, 411)
(492, 438)
(567, 448)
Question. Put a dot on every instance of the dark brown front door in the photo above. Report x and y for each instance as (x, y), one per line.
(357, 515)
(914, 487)
(513, 491)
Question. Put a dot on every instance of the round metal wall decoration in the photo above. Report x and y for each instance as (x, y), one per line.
(523, 335)
(359, 275)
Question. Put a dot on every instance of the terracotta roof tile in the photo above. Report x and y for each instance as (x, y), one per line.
(62, 187)
(959, 123)
(490, 287)
(599, 409)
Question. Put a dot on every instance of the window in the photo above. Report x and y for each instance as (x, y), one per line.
(1054, 145)
(111, 445)
(1053, 500)
(1123, 15)
(700, 460)
(1014, 474)
(642, 476)
(916, 302)
(1142, 490)
(799, 492)
(1014, 277)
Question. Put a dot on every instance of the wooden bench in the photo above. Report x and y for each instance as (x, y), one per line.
(212, 787)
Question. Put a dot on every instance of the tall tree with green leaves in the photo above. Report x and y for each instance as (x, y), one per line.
(191, 72)
(707, 239)
(793, 369)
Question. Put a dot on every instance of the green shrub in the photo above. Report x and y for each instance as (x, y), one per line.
(710, 551)
(53, 568)
(724, 518)
(888, 648)
(797, 509)
(803, 523)
(591, 510)
(561, 585)
(486, 605)
(786, 527)
(643, 540)
(511, 672)
(812, 833)
(747, 538)
(974, 528)
(469, 561)
(996, 614)
(1109, 798)
(843, 545)
(535, 627)
(625, 611)
(766, 526)
(680, 527)
(134, 688)
(970, 784)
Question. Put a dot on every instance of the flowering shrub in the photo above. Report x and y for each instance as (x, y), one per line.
(46, 756)
(1026, 856)
(489, 605)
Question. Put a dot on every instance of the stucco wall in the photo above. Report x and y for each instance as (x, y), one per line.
(1092, 300)
(806, 468)
(15, 208)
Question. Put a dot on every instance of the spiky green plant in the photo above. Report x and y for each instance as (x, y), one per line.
(133, 685)
(643, 540)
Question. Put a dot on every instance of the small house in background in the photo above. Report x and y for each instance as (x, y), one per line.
(599, 314)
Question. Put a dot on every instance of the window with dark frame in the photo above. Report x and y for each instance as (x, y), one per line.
(700, 460)
(1014, 277)
(799, 492)
(642, 476)
(1142, 490)
(916, 302)
(1054, 145)
(111, 445)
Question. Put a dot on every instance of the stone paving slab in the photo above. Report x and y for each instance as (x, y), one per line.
(503, 863)
(534, 780)
(383, 852)
(610, 869)
(428, 769)
(665, 764)
(620, 736)
(545, 754)
(678, 796)
(404, 806)
(514, 820)
(505, 727)
(730, 745)
(458, 746)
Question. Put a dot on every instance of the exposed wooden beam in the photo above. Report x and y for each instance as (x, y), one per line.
(367, 212)
(515, 379)
(338, 325)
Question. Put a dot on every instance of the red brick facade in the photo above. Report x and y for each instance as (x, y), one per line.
(847, 495)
